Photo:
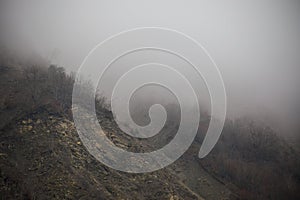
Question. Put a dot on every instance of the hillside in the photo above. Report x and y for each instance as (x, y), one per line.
(42, 157)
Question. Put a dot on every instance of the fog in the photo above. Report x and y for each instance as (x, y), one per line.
(255, 43)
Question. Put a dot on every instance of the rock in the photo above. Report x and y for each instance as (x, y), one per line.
(174, 197)
(64, 125)
(29, 128)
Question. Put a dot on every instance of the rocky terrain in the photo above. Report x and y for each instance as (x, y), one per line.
(42, 157)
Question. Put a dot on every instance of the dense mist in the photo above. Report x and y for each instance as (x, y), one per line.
(255, 44)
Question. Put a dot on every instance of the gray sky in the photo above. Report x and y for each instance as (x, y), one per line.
(255, 43)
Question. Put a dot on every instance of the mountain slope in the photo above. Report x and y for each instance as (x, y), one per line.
(44, 158)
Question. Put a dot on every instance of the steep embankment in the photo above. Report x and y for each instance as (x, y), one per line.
(43, 158)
